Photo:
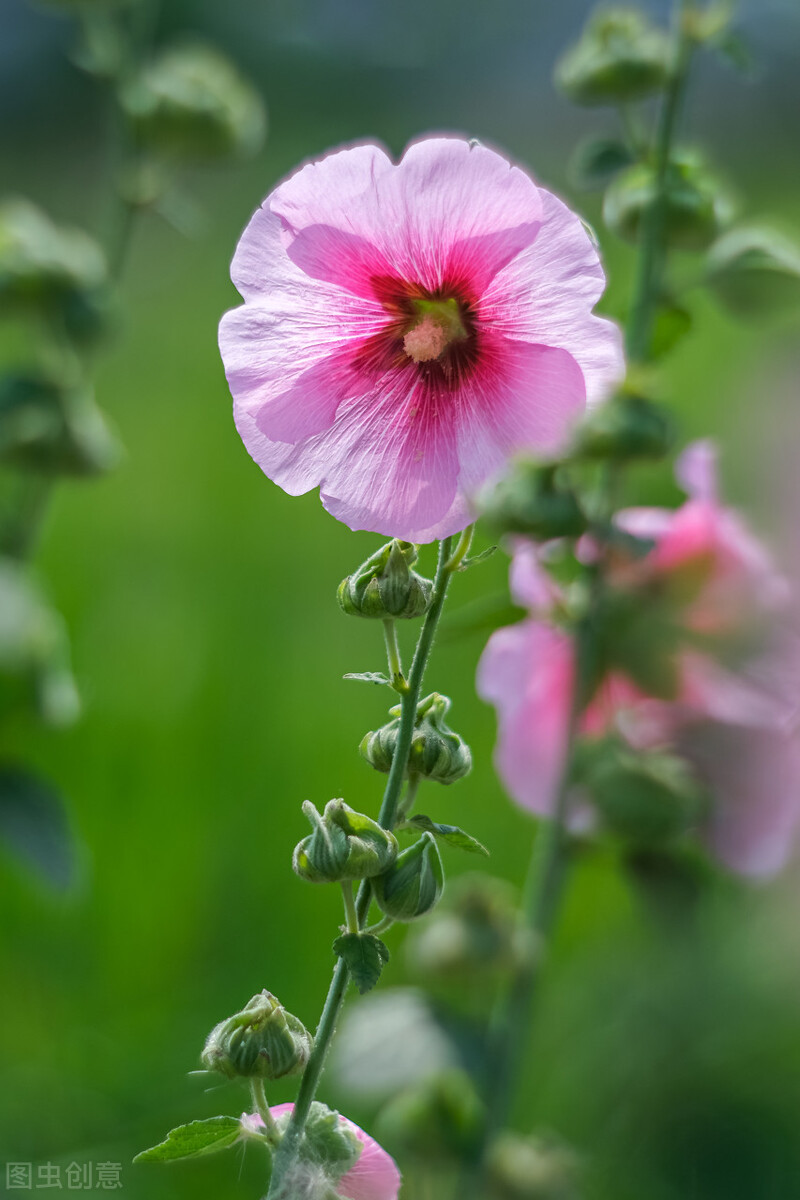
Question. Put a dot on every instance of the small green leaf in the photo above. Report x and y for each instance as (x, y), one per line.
(738, 53)
(193, 1140)
(596, 162)
(672, 323)
(365, 956)
(474, 559)
(368, 676)
(450, 834)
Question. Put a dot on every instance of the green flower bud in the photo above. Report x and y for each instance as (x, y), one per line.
(413, 884)
(530, 1168)
(34, 651)
(49, 427)
(627, 427)
(385, 586)
(695, 208)
(620, 57)
(191, 102)
(645, 798)
(344, 845)
(51, 270)
(438, 1119)
(754, 271)
(263, 1040)
(531, 500)
(436, 751)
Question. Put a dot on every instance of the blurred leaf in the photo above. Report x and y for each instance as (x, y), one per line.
(365, 957)
(47, 427)
(34, 826)
(597, 161)
(737, 51)
(193, 1140)
(368, 676)
(448, 833)
(474, 559)
(755, 271)
(672, 323)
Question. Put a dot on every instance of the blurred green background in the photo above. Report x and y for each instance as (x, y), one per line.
(209, 649)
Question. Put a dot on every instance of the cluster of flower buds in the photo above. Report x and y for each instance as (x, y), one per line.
(413, 884)
(437, 753)
(344, 845)
(262, 1041)
(620, 57)
(385, 586)
(695, 206)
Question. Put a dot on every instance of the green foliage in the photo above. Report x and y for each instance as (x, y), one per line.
(450, 834)
(695, 206)
(34, 826)
(620, 57)
(365, 956)
(194, 1140)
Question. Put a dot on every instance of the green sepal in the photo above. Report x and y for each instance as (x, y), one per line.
(414, 884)
(345, 845)
(365, 957)
(194, 1140)
(475, 559)
(450, 834)
(368, 677)
(385, 587)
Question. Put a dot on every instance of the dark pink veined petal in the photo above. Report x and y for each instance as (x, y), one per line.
(546, 294)
(448, 211)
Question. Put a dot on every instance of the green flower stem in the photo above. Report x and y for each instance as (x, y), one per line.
(380, 926)
(353, 924)
(653, 250)
(409, 796)
(262, 1108)
(280, 1187)
(398, 679)
(462, 549)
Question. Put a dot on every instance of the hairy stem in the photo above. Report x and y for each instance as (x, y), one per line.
(280, 1186)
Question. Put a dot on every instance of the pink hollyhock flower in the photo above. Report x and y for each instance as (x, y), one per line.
(374, 1177)
(736, 727)
(408, 327)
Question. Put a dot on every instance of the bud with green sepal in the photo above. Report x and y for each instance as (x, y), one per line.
(263, 1041)
(414, 884)
(534, 500)
(191, 102)
(646, 798)
(620, 57)
(695, 207)
(436, 752)
(754, 271)
(626, 428)
(385, 586)
(345, 845)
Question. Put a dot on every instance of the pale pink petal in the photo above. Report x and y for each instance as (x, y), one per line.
(696, 470)
(546, 294)
(531, 584)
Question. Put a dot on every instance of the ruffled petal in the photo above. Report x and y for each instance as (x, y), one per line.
(546, 294)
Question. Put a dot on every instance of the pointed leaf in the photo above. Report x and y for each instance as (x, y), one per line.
(598, 160)
(450, 834)
(368, 676)
(193, 1140)
(474, 559)
(365, 956)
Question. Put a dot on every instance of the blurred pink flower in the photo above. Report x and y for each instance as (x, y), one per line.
(737, 726)
(374, 1177)
(408, 327)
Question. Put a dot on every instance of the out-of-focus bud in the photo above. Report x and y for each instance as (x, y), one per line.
(532, 500)
(436, 752)
(263, 1040)
(531, 1168)
(413, 884)
(49, 427)
(344, 845)
(476, 936)
(34, 651)
(51, 269)
(385, 585)
(191, 102)
(695, 206)
(627, 427)
(647, 798)
(620, 57)
(330, 1142)
(755, 271)
(438, 1119)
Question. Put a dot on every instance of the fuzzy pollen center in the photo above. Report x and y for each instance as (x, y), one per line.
(438, 325)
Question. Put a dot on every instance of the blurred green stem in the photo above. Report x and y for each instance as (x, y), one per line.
(281, 1185)
(652, 253)
(396, 676)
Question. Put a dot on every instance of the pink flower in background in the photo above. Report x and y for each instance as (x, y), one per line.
(736, 725)
(408, 327)
(374, 1177)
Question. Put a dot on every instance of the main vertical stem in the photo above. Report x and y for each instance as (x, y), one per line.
(280, 1187)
